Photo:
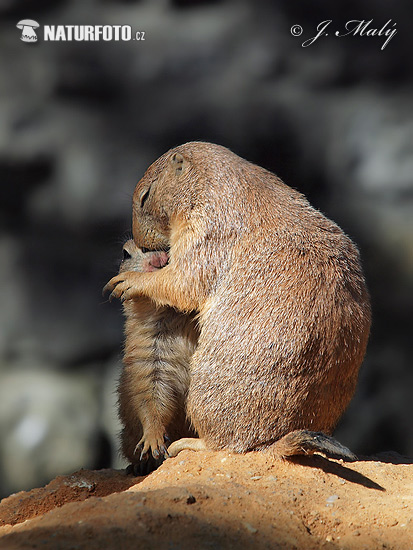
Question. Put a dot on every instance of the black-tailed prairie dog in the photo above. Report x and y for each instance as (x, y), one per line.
(281, 300)
(159, 343)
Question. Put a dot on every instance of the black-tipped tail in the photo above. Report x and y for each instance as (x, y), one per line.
(304, 442)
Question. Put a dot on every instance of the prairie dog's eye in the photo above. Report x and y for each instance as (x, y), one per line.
(126, 255)
(144, 197)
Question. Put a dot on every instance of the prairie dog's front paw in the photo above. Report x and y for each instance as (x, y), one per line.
(121, 286)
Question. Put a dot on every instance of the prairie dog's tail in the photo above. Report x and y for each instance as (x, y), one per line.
(304, 442)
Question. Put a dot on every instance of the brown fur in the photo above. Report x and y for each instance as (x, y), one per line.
(159, 343)
(282, 304)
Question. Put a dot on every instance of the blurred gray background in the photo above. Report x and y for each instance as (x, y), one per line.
(80, 122)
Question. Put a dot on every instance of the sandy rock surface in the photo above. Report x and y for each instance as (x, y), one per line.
(220, 500)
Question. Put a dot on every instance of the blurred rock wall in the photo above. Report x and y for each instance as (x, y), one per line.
(80, 122)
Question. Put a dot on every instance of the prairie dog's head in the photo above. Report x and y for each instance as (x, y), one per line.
(197, 180)
(168, 192)
(136, 259)
(151, 212)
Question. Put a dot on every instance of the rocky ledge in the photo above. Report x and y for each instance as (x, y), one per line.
(220, 500)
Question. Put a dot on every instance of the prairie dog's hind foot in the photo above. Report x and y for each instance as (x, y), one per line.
(148, 463)
(144, 467)
(186, 444)
(152, 445)
(150, 453)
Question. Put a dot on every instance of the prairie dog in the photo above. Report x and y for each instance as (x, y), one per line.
(159, 343)
(282, 304)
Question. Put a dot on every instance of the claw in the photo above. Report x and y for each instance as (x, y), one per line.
(155, 453)
(109, 287)
(138, 448)
(164, 451)
(113, 287)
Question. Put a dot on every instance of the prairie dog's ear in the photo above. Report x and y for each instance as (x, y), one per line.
(178, 163)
